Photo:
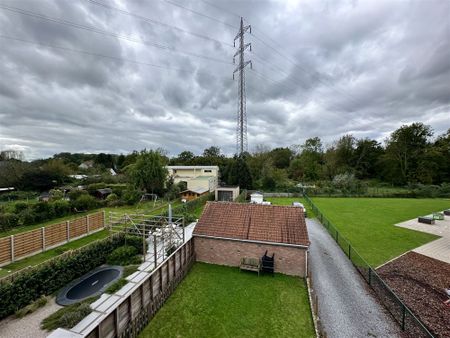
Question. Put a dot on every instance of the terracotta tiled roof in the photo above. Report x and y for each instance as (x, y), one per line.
(268, 223)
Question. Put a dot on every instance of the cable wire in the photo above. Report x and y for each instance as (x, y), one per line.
(156, 22)
(91, 53)
(107, 33)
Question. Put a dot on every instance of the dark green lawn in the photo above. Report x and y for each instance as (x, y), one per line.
(218, 301)
(368, 223)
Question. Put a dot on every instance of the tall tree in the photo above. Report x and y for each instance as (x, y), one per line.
(149, 173)
(239, 173)
(405, 148)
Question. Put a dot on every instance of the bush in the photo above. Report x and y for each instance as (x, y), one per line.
(54, 274)
(125, 255)
(27, 217)
(131, 196)
(61, 208)
(20, 206)
(85, 202)
(8, 221)
(74, 194)
(43, 211)
(68, 316)
(30, 308)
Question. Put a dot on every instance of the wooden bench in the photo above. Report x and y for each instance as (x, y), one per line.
(250, 264)
(426, 220)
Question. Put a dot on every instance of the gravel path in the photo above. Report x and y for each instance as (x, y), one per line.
(28, 326)
(346, 306)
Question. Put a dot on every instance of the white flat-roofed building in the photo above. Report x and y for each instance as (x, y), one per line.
(206, 177)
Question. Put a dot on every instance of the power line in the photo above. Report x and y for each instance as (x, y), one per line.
(107, 33)
(156, 22)
(201, 14)
(90, 53)
(222, 9)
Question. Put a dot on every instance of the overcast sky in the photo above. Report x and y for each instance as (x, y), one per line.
(321, 68)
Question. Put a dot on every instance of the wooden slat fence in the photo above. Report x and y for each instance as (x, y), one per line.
(25, 244)
(134, 312)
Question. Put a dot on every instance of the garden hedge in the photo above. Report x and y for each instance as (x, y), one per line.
(49, 277)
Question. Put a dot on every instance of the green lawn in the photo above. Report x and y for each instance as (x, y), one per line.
(368, 223)
(218, 301)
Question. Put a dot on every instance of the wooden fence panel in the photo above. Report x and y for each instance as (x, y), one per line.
(27, 243)
(107, 327)
(124, 315)
(136, 303)
(5, 250)
(55, 234)
(78, 227)
(96, 221)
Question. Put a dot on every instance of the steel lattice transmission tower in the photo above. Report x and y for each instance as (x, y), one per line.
(241, 130)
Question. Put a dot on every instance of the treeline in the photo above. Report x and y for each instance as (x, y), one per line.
(411, 155)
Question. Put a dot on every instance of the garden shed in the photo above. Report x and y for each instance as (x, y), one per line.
(228, 232)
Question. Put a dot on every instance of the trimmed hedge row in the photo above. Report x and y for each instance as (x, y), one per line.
(186, 209)
(56, 273)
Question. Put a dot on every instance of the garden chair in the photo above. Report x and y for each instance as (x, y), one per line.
(250, 264)
(438, 216)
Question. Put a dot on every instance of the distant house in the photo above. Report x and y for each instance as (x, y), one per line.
(44, 197)
(257, 197)
(229, 232)
(103, 193)
(195, 176)
(191, 194)
(227, 194)
(86, 165)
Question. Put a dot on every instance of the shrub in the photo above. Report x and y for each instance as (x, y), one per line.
(135, 241)
(43, 211)
(85, 202)
(74, 194)
(131, 196)
(112, 199)
(30, 308)
(68, 316)
(125, 255)
(61, 208)
(27, 217)
(116, 286)
(8, 221)
(20, 206)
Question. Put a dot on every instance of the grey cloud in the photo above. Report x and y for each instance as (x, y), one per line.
(361, 67)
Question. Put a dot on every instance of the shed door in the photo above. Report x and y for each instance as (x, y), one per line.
(226, 196)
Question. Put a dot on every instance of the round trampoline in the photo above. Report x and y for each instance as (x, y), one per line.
(91, 284)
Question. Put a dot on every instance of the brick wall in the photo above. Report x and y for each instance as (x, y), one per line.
(288, 260)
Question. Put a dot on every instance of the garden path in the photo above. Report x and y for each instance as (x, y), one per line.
(347, 308)
(28, 326)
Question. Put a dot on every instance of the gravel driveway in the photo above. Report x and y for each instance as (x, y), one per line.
(346, 306)
(28, 326)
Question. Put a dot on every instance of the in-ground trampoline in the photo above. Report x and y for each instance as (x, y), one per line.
(91, 284)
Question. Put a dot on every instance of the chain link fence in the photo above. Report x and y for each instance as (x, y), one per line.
(401, 313)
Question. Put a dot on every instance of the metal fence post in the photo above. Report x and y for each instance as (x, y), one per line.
(349, 252)
(337, 237)
(370, 275)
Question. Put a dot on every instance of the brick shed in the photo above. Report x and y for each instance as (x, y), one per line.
(226, 232)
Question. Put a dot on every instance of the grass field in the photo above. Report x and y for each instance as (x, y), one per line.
(368, 223)
(218, 301)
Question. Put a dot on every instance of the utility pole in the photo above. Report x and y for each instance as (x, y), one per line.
(241, 130)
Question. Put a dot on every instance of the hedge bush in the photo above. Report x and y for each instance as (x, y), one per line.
(8, 221)
(124, 255)
(85, 202)
(49, 277)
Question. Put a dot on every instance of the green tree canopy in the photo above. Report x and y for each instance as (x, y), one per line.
(149, 173)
